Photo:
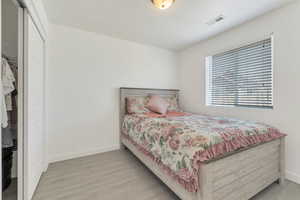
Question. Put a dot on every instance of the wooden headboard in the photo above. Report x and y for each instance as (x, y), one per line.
(125, 92)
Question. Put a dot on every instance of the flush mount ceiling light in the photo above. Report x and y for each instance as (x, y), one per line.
(163, 4)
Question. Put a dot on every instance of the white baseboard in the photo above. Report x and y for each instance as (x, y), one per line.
(293, 177)
(46, 166)
(82, 154)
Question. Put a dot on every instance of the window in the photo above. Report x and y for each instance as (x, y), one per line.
(241, 77)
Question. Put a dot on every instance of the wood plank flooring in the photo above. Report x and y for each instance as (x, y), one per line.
(11, 192)
(119, 175)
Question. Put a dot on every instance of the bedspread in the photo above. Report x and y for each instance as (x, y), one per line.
(181, 142)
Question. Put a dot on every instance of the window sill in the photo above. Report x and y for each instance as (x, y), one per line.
(246, 107)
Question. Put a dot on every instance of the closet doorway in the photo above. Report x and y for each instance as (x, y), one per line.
(12, 62)
(23, 152)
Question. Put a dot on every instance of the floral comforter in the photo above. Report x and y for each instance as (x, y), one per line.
(179, 143)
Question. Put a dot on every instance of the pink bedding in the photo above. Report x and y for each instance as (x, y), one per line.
(180, 142)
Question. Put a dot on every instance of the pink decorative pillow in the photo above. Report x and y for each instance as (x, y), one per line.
(173, 101)
(158, 104)
(136, 104)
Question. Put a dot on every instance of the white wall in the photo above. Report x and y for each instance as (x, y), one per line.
(83, 77)
(284, 23)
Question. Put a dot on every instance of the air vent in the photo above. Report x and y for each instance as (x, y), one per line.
(215, 20)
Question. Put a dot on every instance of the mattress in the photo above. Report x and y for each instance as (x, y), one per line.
(180, 142)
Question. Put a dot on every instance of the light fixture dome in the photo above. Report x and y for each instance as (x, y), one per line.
(163, 4)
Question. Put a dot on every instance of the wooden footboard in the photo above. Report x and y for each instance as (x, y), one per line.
(236, 177)
(243, 175)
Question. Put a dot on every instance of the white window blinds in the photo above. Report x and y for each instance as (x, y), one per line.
(242, 76)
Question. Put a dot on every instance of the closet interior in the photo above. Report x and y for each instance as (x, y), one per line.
(9, 96)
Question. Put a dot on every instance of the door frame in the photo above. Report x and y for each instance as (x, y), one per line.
(21, 118)
(1, 99)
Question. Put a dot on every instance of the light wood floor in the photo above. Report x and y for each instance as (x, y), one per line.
(119, 175)
(11, 192)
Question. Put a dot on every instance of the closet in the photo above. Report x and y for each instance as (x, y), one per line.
(23, 136)
(10, 98)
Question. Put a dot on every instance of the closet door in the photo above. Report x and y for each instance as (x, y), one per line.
(34, 133)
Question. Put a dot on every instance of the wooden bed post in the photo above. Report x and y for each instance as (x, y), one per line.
(282, 162)
(122, 109)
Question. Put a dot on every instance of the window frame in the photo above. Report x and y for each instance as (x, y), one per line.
(208, 62)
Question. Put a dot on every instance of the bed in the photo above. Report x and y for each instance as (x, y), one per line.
(239, 173)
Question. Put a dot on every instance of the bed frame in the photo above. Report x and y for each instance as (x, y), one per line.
(238, 176)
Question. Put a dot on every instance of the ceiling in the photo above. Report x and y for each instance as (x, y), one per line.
(138, 20)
